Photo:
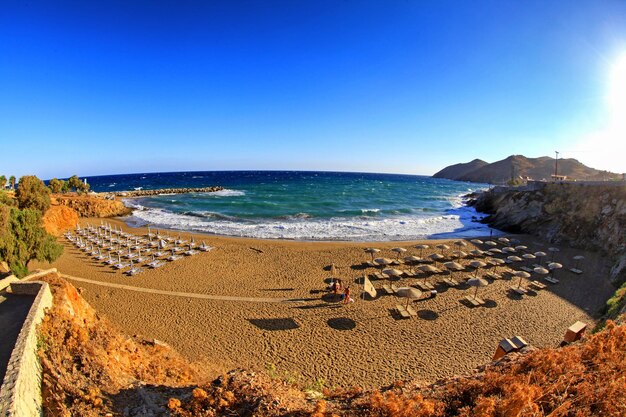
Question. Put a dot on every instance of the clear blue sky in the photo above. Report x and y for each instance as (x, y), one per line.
(391, 86)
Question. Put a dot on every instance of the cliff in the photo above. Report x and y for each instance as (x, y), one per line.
(584, 216)
(59, 219)
(516, 166)
(92, 206)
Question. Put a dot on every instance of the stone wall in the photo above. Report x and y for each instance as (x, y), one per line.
(20, 393)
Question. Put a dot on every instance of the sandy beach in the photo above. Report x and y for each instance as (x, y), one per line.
(293, 327)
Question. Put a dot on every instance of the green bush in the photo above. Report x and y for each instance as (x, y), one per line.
(32, 193)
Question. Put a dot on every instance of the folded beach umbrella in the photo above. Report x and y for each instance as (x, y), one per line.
(477, 282)
(421, 248)
(477, 265)
(398, 251)
(372, 251)
(333, 269)
(521, 275)
(409, 293)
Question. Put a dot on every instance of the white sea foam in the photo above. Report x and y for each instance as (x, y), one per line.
(375, 210)
(227, 193)
(456, 223)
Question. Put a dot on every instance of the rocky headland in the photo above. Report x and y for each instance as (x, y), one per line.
(145, 193)
(582, 216)
(92, 205)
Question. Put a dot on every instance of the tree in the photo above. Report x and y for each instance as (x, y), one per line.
(3, 182)
(75, 183)
(56, 185)
(32, 193)
(12, 181)
(23, 238)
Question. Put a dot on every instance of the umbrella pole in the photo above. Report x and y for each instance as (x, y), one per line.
(475, 292)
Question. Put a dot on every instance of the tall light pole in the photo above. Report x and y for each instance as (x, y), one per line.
(556, 165)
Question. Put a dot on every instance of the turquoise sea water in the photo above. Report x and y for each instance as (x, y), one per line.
(304, 205)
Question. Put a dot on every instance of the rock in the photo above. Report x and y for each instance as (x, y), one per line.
(59, 219)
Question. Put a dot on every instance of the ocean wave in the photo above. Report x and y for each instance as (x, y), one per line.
(138, 188)
(374, 210)
(456, 223)
(227, 193)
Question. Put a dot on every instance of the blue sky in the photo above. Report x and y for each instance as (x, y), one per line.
(391, 86)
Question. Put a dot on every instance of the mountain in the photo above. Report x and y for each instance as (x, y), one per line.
(516, 166)
(459, 170)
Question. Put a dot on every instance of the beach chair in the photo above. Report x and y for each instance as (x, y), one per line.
(450, 282)
(518, 290)
(387, 289)
(551, 280)
(411, 311)
(402, 311)
(538, 285)
(576, 271)
(474, 301)
(380, 275)
(425, 286)
(493, 275)
(527, 269)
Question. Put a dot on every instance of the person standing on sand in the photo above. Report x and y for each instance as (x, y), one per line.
(346, 295)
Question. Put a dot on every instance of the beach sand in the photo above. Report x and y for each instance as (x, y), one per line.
(312, 337)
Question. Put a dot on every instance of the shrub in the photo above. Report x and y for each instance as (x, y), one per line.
(56, 185)
(32, 193)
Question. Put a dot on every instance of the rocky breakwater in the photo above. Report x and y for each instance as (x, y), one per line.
(92, 205)
(583, 216)
(145, 193)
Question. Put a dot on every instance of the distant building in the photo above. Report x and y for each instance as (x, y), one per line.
(558, 177)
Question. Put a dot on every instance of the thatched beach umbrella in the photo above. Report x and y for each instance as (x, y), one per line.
(541, 270)
(460, 244)
(458, 254)
(392, 272)
(521, 248)
(578, 258)
(496, 262)
(398, 251)
(443, 247)
(454, 267)
(477, 282)
(382, 261)
(508, 249)
(495, 250)
(514, 258)
(421, 248)
(477, 253)
(412, 259)
(429, 269)
(476, 241)
(528, 257)
(477, 265)
(554, 252)
(409, 293)
(521, 275)
(540, 255)
(553, 266)
(372, 251)
(504, 240)
(491, 243)
(436, 257)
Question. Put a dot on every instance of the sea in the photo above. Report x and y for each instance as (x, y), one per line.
(303, 205)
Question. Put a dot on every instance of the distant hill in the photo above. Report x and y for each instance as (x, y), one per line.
(519, 166)
(459, 170)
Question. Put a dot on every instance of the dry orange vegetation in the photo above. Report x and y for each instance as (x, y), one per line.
(90, 369)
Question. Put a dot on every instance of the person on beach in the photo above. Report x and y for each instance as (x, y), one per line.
(346, 295)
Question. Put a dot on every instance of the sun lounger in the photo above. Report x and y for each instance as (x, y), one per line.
(411, 311)
(450, 282)
(370, 264)
(387, 289)
(518, 290)
(551, 280)
(538, 285)
(425, 286)
(527, 269)
(493, 275)
(402, 311)
(474, 301)
(576, 271)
